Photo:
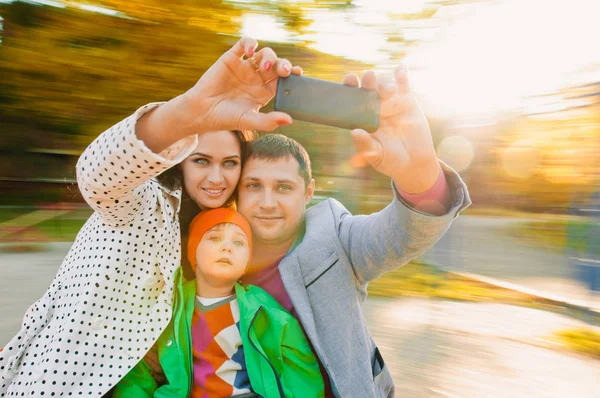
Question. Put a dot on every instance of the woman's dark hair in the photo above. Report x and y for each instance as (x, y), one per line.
(173, 179)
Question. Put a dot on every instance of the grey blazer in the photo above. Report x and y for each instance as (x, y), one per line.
(326, 277)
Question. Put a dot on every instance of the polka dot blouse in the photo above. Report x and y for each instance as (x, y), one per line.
(112, 295)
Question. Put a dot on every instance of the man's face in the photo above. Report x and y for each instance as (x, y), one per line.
(272, 195)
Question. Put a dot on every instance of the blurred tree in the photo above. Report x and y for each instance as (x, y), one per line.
(69, 73)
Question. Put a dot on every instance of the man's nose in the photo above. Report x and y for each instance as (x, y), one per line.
(268, 199)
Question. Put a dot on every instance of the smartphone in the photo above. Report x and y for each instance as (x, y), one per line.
(324, 102)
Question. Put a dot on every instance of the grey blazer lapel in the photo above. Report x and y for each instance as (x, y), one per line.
(292, 279)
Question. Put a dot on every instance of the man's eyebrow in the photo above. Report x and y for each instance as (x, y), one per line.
(284, 181)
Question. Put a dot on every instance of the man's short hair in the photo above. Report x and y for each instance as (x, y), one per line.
(278, 146)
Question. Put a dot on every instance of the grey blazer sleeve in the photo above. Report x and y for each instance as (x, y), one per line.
(380, 242)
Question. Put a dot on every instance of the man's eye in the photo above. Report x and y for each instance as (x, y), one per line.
(252, 186)
(284, 188)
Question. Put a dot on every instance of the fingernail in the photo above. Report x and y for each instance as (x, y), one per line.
(250, 51)
(286, 68)
(283, 122)
(267, 66)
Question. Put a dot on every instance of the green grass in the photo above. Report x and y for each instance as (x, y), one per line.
(422, 280)
(553, 234)
(585, 341)
(496, 212)
(8, 213)
(60, 229)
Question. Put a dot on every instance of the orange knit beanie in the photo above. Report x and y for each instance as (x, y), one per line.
(207, 220)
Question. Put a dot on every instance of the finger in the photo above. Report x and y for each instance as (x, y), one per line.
(264, 121)
(402, 80)
(352, 79)
(392, 106)
(245, 46)
(268, 59)
(160, 379)
(153, 361)
(297, 70)
(369, 80)
(367, 146)
(284, 67)
(385, 88)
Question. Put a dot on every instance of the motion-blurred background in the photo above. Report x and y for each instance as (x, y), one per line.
(505, 305)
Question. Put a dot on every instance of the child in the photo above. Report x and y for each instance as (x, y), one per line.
(225, 338)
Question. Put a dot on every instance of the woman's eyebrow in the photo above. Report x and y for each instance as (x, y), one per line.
(201, 154)
(210, 157)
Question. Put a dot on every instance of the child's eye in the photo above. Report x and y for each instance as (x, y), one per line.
(215, 239)
(238, 243)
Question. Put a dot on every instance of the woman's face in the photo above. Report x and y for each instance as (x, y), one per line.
(212, 171)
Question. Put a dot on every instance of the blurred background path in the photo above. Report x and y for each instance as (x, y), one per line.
(438, 348)
(484, 246)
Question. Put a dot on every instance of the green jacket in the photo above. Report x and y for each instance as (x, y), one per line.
(279, 359)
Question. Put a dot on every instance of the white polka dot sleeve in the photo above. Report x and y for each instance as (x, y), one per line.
(112, 171)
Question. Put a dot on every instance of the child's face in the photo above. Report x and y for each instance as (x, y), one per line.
(222, 254)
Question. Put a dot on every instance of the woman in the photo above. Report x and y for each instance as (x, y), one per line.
(113, 294)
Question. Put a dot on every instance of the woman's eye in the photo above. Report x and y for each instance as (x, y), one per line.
(230, 163)
(201, 161)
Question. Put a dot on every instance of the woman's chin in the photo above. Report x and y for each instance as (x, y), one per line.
(211, 203)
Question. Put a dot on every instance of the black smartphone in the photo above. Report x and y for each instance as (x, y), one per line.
(324, 102)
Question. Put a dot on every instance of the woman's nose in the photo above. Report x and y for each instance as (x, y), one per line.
(215, 175)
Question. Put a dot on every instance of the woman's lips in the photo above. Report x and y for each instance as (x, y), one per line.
(214, 193)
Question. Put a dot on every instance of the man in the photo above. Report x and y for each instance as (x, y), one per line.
(317, 263)
(320, 261)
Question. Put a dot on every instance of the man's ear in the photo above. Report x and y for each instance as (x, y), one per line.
(310, 192)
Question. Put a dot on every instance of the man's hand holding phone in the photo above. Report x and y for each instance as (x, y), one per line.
(401, 147)
(400, 143)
